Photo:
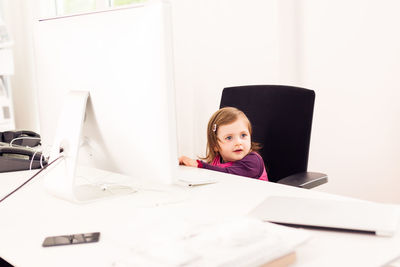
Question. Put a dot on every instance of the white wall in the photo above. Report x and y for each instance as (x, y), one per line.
(347, 51)
(350, 54)
(219, 44)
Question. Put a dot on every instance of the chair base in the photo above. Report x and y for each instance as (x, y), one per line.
(306, 180)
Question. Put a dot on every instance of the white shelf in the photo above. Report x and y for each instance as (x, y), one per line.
(6, 103)
(6, 62)
(7, 44)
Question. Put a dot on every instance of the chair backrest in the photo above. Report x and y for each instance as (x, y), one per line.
(281, 117)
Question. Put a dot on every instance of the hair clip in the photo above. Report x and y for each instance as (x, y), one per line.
(214, 128)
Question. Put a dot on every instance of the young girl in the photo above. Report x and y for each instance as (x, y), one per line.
(229, 146)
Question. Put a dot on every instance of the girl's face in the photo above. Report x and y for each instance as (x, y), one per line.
(234, 140)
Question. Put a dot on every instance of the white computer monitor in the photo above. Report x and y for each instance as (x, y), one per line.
(123, 59)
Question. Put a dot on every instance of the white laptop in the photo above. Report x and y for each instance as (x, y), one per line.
(195, 176)
(345, 215)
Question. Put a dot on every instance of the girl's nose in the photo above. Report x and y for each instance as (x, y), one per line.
(238, 141)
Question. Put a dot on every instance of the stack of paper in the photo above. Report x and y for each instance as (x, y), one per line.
(238, 242)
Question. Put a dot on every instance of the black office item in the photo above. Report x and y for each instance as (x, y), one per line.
(20, 138)
(17, 158)
(5, 263)
(71, 239)
(281, 117)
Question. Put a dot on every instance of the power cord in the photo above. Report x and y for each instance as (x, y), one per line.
(32, 148)
(27, 181)
(23, 138)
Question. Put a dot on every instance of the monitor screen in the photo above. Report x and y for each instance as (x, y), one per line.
(123, 59)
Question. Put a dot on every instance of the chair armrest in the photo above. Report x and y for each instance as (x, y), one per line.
(306, 180)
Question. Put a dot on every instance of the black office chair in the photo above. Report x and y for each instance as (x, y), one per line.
(281, 117)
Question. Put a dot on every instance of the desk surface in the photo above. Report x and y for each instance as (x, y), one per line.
(32, 214)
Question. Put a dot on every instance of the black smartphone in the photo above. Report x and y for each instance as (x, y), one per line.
(71, 239)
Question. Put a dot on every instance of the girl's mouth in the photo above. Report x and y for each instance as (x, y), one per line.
(238, 150)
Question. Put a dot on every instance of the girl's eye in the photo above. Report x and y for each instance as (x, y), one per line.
(228, 138)
(244, 135)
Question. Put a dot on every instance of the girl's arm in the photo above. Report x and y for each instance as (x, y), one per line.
(251, 166)
(183, 160)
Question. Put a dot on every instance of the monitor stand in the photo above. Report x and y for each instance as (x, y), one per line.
(65, 178)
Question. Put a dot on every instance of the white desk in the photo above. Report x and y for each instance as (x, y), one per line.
(31, 214)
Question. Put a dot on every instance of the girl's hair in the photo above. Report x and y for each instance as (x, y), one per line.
(224, 116)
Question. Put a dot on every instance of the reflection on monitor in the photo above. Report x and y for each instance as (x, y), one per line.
(120, 63)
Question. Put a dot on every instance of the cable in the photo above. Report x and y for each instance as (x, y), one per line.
(22, 138)
(37, 173)
(33, 158)
(46, 151)
(163, 194)
(40, 160)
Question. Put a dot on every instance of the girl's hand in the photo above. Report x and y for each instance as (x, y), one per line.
(183, 160)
